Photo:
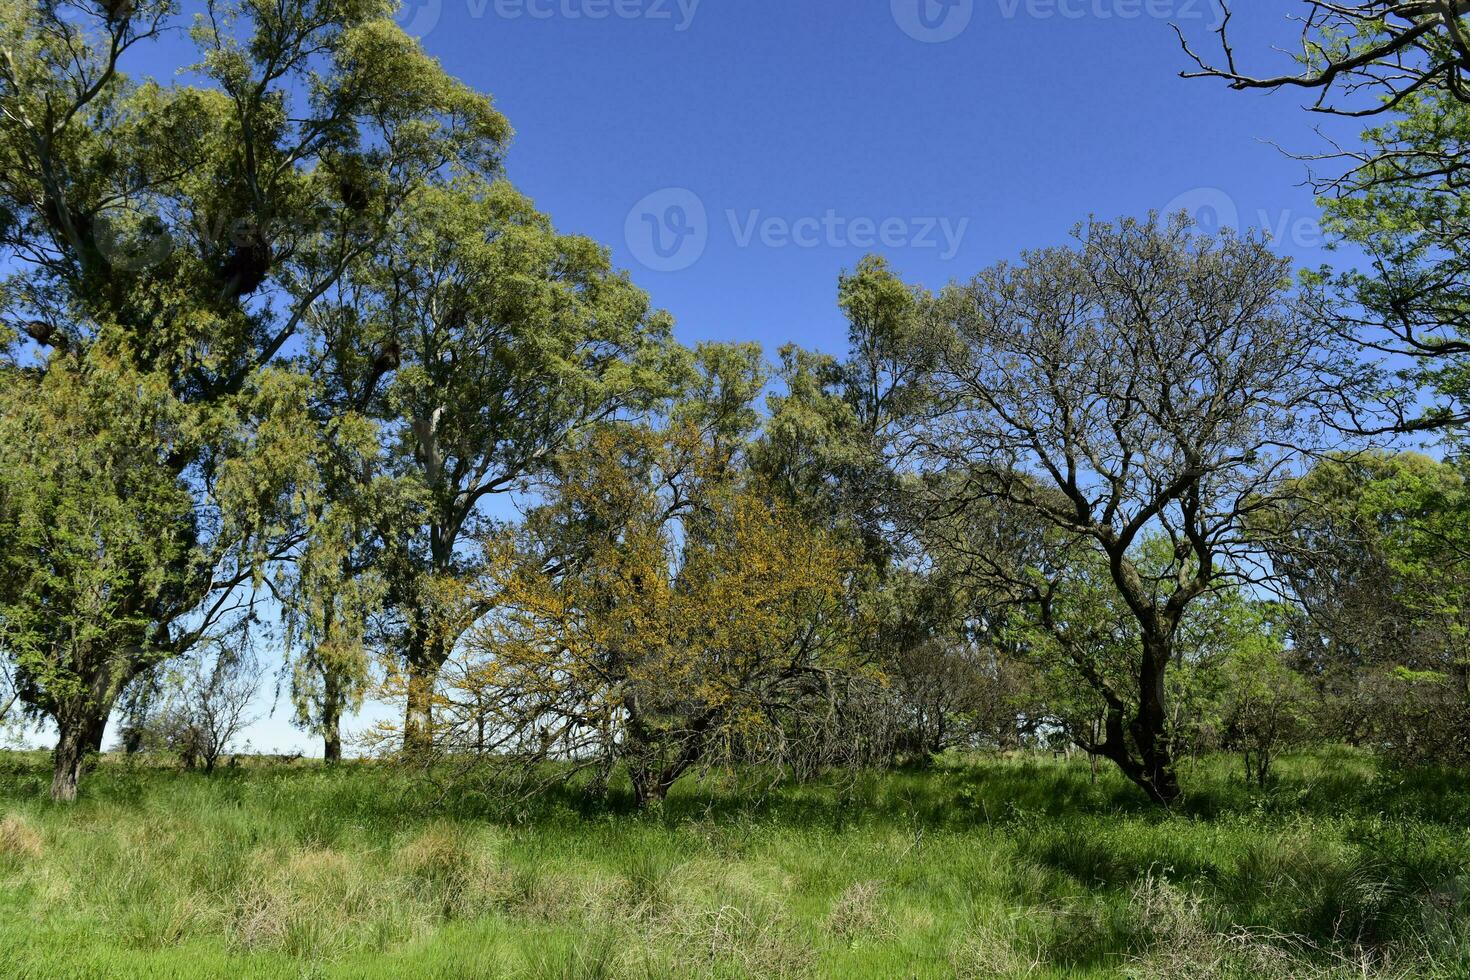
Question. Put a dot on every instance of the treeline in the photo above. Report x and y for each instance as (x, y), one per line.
(277, 340)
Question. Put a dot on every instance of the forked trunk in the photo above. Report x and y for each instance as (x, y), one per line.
(651, 786)
(646, 789)
(654, 771)
(1141, 748)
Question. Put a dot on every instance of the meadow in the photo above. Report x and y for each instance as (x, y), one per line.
(977, 867)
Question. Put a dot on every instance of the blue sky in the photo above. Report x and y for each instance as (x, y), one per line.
(809, 133)
(737, 155)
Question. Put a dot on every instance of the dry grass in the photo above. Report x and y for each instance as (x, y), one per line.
(18, 839)
(317, 902)
(858, 913)
(1183, 947)
(990, 950)
(454, 871)
(755, 939)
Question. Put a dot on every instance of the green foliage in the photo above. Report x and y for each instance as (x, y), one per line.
(1406, 207)
(330, 587)
(185, 232)
(1265, 705)
(98, 541)
(481, 342)
(1371, 547)
(1400, 196)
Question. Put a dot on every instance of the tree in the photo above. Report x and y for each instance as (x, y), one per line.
(1400, 197)
(482, 341)
(1389, 49)
(659, 610)
(1146, 382)
(329, 586)
(958, 692)
(100, 545)
(835, 445)
(183, 233)
(837, 436)
(1265, 706)
(205, 706)
(1370, 546)
(1405, 204)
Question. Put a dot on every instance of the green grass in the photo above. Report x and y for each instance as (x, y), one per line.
(982, 868)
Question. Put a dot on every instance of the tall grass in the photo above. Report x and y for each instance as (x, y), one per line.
(976, 868)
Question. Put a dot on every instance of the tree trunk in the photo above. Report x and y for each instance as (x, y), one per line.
(418, 720)
(1141, 750)
(77, 737)
(652, 771)
(331, 718)
(332, 745)
(1155, 771)
(648, 789)
(651, 786)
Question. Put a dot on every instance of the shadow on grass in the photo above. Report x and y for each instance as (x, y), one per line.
(954, 794)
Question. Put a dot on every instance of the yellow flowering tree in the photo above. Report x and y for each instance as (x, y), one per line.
(660, 610)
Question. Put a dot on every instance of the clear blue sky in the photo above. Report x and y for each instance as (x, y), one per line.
(1025, 118)
(946, 134)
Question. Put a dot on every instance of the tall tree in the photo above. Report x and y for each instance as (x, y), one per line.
(1147, 381)
(329, 585)
(836, 443)
(838, 433)
(482, 341)
(181, 234)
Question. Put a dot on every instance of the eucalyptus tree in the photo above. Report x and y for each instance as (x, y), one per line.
(481, 341)
(836, 443)
(1144, 382)
(838, 433)
(169, 239)
(329, 586)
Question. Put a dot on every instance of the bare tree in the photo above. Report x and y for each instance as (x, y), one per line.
(207, 706)
(1144, 383)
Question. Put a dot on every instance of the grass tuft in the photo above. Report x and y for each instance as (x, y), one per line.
(857, 913)
(18, 839)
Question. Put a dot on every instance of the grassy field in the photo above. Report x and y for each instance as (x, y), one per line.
(987, 868)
